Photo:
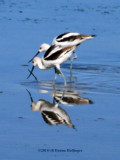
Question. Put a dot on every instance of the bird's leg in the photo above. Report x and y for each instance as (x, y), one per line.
(58, 71)
(71, 59)
(55, 75)
(54, 84)
(62, 95)
(63, 77)
(75, 55)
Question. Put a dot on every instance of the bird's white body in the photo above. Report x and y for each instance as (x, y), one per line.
(66, 40)
(46, 62)
(70, 39)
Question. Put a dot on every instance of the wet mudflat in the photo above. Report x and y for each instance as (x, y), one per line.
(86, 122)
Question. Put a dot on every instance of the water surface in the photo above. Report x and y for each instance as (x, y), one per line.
(88, 126)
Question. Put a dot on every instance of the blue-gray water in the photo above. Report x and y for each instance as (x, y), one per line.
(24, 134)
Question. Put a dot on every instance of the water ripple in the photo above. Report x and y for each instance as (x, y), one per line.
(85, 78)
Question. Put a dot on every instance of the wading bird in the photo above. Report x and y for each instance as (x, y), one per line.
(64, 40)
(53, 57)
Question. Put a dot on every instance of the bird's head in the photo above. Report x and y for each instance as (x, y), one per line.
(44, 47)
(86, 37)
(35, 61)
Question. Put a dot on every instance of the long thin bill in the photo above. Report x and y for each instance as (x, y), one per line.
(34, 57)
(93, 35)
(30, 95)
(31, 72)
(33, 75)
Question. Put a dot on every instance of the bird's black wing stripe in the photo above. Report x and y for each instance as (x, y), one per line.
(60, 36)
(49, 50)
(55, 55)
(45, 119)
(51, 116)
(69, 39)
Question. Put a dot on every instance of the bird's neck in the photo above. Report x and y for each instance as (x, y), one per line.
(41, 64)
(47, 47)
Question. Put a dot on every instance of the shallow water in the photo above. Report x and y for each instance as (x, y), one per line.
(90, 107)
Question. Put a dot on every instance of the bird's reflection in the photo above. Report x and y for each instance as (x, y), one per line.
(69, 97)
(52, 114)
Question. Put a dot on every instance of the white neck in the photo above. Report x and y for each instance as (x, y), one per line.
(47, 47)
(40, 63)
